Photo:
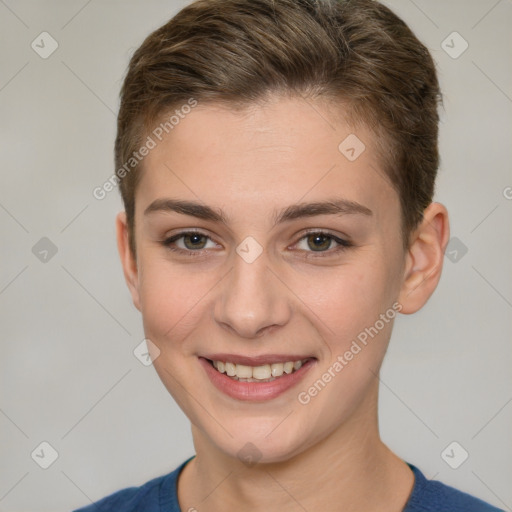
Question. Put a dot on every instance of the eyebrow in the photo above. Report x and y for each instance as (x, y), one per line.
(336, 206)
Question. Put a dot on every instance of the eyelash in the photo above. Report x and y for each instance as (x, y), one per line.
(342, 244)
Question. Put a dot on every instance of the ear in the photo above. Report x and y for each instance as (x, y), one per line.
(424, 259)
(127, 260)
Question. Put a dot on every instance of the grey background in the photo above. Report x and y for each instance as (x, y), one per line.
(68, 373)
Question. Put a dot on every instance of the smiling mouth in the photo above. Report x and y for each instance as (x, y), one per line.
(262, 373)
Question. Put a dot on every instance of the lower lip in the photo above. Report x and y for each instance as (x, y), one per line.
(255, 391)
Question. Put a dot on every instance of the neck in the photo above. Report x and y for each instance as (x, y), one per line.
(350, 467)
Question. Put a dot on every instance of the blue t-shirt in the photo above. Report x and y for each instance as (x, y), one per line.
(160, 495)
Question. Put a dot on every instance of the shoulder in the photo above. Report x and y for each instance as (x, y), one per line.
(153, 496)
(434, 496)
(144, 498)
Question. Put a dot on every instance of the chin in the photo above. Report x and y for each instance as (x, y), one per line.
(261, 442)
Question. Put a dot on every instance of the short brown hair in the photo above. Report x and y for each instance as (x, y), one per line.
(236, 52)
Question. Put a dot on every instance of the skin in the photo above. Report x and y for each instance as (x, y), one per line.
(250, 164)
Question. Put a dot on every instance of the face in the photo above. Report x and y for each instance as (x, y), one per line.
(264, 278)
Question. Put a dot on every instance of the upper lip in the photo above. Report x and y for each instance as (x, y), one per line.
(256, 360)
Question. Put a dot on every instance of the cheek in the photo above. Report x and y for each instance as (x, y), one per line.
(357, 336)
(173, 299)
(346, 300)
(173, 302)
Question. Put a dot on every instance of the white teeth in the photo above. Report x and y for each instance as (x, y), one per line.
(230, 369)
(276, 369)
(261, 372)
(288, 367)
(264, 372)
(243, 372)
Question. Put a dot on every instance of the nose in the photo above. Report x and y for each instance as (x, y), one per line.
(252, 300)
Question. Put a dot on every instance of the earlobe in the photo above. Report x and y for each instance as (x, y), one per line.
(128, 262)
(425, 257)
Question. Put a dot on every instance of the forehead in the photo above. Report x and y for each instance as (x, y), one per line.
(284, 150)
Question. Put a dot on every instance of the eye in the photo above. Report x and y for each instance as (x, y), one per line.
(193, 243)
(322, 242)
(189, 242)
